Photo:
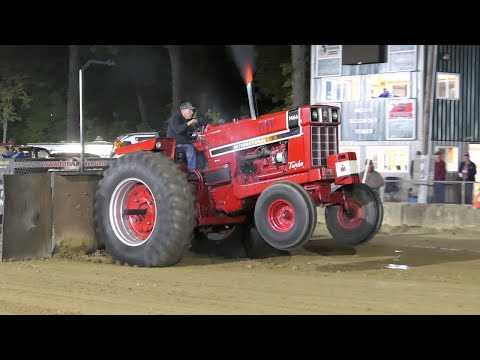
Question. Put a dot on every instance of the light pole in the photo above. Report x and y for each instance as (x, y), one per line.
(80, 86)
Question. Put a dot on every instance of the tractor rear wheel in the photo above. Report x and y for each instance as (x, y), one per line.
(359, 219)
(144, 210)
(285, 215)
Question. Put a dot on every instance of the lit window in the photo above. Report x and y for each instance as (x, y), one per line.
(389, 158)
(390, 85)
(448, 86)
(341, 88)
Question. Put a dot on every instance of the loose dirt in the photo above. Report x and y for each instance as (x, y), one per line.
(400, 271)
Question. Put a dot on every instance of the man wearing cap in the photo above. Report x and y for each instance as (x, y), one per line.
(440, 173)
(178, 128)
(373, 178)
(467, 171)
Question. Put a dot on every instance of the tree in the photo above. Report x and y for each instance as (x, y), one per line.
(73, 101)
(298, 75)
(43, 69)
(45, 119)
(272, 77)
(175, 54)
(12, 97)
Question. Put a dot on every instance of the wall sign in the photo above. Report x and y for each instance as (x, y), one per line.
(401, 119)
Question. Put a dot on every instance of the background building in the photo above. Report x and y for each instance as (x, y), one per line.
(433, 102)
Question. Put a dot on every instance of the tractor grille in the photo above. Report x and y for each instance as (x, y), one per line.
(324, 143)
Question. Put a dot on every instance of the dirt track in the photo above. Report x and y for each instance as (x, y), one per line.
(396, 273)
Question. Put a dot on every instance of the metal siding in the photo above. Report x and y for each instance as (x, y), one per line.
(27, 218)
(458, 120)
(475, 56)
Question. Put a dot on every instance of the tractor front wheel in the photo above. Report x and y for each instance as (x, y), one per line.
(285, 215)
(358, 219)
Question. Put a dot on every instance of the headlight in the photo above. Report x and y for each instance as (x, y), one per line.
(315, 114)
(334, 115)
(158, 144)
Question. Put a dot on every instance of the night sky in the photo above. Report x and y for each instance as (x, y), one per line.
(211, 80)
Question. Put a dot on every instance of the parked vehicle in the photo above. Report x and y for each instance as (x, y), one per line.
(96, 148)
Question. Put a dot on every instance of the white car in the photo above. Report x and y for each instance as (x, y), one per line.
(96, 148)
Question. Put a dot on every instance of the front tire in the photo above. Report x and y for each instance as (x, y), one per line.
(360, 220)
(144, 210)
(285, 215)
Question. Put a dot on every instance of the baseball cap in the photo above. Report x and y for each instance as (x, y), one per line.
(186, 105)
(437, 152)
(466, 154)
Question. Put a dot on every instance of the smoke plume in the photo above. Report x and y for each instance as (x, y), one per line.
(243, 56)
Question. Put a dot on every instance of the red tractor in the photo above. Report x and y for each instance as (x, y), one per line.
(263, 180)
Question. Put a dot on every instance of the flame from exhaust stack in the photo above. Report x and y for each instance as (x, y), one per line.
(252, 102)
(248, 74)
(244, 57)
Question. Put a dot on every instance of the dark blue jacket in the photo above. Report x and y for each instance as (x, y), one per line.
(472, 170)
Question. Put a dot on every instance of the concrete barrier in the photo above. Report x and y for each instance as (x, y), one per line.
(434, 216)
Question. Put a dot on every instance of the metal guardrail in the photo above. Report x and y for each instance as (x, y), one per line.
(406, 190)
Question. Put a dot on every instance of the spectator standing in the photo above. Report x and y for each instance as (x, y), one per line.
(467, 171)
(440, 173)
(374, 179)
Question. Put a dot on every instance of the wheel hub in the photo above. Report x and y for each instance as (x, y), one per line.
(281, 215)
(141, 224)
(132, 212)
(350, 215)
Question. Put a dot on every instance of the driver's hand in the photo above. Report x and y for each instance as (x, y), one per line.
(193, 121)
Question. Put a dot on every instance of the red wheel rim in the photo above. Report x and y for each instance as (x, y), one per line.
(140, 198)
(281, 215)
(352, 217)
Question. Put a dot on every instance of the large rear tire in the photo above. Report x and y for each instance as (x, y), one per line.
(144, 210)
(360, 220)
(285, 215)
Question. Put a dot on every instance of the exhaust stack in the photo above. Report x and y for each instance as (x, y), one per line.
(248, 73)
(251, 101)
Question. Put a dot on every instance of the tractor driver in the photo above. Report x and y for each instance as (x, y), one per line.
(178, 127)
